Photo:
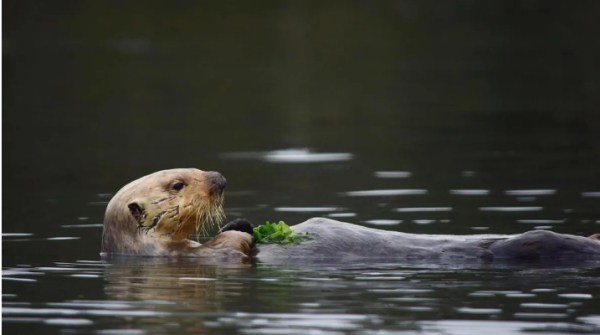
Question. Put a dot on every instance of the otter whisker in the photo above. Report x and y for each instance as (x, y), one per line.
(208, 221)
(160, 201)
(185, 214)
(157, 219)
(214, 216)
(200, 213)
(184, 223)
(174, 210)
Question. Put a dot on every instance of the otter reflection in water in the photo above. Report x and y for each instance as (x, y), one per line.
(199, 285)
(153, 215)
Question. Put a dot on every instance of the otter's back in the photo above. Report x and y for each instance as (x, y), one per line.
(334, 240)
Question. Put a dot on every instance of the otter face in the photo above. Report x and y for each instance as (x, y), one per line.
(173, 202)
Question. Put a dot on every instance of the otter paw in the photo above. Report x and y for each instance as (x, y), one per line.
(241, 224)
(233, 240)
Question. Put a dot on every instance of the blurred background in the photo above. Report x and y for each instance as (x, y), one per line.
(432, 96)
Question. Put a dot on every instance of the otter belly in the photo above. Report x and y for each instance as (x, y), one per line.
(340, 241)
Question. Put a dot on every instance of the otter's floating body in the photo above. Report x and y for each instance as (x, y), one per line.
(154, 215)
(334, 240)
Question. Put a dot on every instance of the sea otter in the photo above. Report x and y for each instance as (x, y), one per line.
(154, 215)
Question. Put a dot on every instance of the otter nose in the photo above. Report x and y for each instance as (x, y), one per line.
(216, 182)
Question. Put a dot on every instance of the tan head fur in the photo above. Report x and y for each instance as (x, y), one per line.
(163, 207)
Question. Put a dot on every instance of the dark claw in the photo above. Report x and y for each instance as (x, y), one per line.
(242, 225)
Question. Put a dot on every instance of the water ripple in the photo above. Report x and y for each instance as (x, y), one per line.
(424, 209)
(383, 222)
(68, 322)
(68, 311)
(576, 295)
(290, 156)
(341, 215)
(89, 225)
(307, 209)
(393, 174)
(541, 221)
(543, 305)
(530, 192)
(470, 310)
(470, 192)
(511, 209)
(16, 234)
(540, 315)
(375, 193)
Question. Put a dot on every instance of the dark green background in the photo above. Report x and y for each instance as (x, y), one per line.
(97, 93)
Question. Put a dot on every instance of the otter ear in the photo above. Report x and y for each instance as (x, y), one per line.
(135, 210)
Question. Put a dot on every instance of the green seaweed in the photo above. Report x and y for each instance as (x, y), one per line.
(278, 233)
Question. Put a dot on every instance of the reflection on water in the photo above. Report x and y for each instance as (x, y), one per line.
(470, 192)
(290, 156)
(306, 209)
(378, 193)
(189, 296)
(383, 222)
(393, 174)
(511, 209)
(424, 209)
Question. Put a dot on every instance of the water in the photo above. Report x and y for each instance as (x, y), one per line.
(155, 296)
(422, 118)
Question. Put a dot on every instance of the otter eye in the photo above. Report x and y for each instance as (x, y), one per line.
(178, 186)
(135, 209)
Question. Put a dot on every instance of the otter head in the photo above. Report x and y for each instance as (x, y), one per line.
(168, 204)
